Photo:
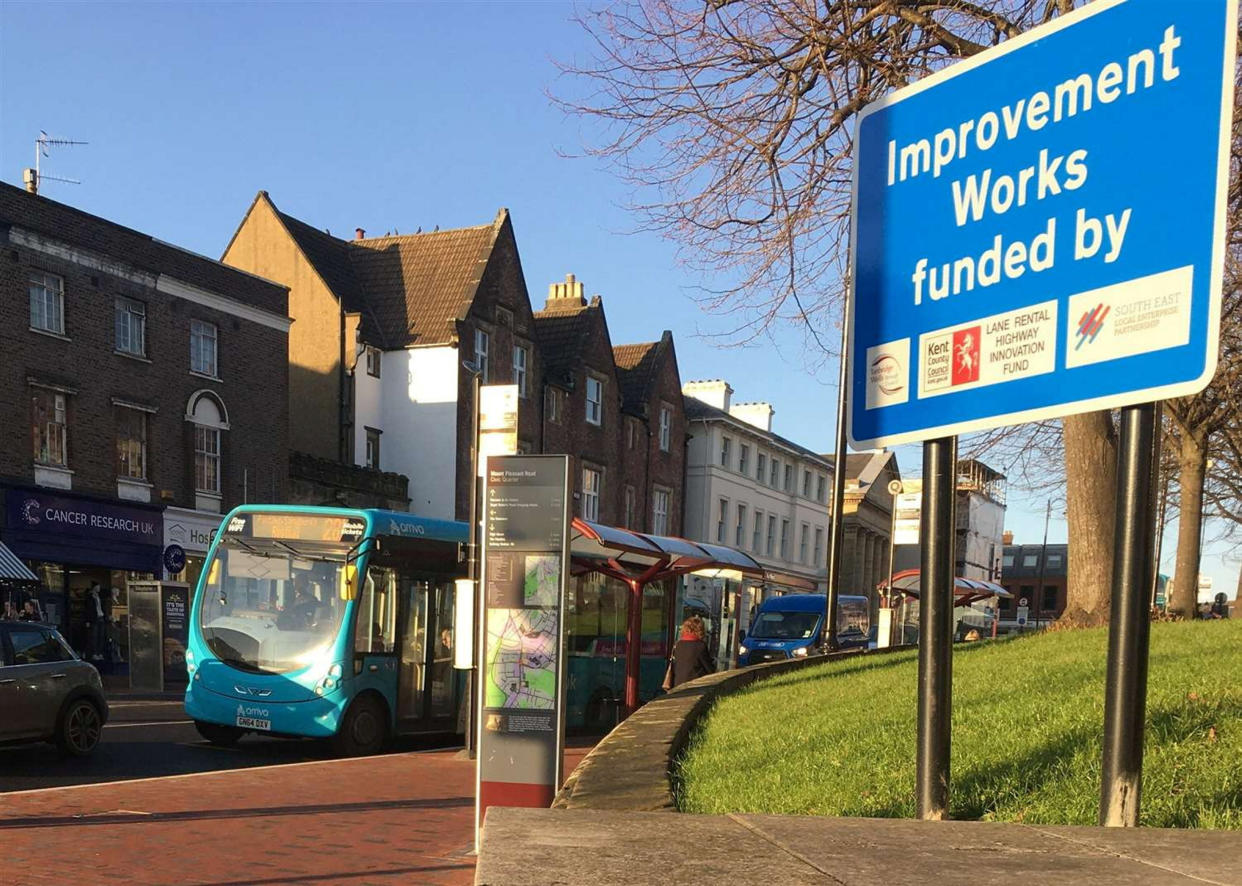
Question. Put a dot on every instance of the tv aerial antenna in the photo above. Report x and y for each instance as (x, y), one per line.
(35, 177)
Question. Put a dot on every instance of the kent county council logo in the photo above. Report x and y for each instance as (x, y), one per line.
(886, 371)
(1091, 324)
(30, 511)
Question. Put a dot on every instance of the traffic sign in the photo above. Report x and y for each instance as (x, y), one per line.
(1039, 230)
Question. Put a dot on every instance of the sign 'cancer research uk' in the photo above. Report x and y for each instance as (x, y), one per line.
(1039, 231)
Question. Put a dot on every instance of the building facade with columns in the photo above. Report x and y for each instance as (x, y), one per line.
(868, 520)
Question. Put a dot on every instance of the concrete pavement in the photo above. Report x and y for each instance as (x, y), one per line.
(547, 847)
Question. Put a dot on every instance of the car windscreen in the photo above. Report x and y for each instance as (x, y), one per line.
(271, 611)
(777, 625)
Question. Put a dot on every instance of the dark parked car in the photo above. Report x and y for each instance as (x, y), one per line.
(46, 692)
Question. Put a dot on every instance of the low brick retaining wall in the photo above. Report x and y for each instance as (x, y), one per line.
(632, 768)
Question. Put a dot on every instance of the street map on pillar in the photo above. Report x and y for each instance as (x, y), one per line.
(1039, 231)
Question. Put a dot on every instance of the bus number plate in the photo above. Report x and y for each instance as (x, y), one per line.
(244, 722)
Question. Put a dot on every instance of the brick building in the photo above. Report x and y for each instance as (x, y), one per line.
(617, 413)
(387, 334)
(145, 392)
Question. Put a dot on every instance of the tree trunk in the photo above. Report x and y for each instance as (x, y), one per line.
(1183, 602)
(1091, 498)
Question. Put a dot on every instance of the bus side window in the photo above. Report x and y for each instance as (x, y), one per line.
(375, 625)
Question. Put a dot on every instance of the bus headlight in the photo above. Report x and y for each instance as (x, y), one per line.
(743, 650)
(800, 652)
(334, 671)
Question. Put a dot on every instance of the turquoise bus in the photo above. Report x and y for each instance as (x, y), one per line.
(327, 623)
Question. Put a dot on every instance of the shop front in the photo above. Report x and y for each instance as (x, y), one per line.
(85, 552)
(187, 535)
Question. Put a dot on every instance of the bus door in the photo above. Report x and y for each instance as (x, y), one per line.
(375, 633)
(412, 670)
(427, 682)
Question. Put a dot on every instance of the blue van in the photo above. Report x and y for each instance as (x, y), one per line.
(788, 626)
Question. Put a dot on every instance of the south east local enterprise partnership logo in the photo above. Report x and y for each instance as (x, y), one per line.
(1091, 324)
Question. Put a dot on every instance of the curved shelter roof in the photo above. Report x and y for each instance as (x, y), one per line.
(636, 556)
(965, 590)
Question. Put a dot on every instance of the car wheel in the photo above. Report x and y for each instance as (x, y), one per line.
(218, 734)
(364, 730)
(81, 726)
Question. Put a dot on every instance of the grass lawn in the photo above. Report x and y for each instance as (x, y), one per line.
(1028, 721)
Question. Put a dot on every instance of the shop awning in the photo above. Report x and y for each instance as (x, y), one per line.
(965, 590)
(13, 569)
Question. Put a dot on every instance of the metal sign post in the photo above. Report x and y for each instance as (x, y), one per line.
(1039, 231)
(936, 627)
(1130, 620)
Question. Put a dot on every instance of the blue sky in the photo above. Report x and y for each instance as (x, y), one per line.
(380, 116)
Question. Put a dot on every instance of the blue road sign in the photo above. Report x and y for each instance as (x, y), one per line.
(1039, 230)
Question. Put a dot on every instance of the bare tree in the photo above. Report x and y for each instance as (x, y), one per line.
(1207, 428)
(734, 122)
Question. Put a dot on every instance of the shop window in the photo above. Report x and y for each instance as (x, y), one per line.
(131, 443)
(48, 427)
(131, 327)
(47, 303)
(203, 341)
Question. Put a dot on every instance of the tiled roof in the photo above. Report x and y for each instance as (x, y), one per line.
(418, 284)
(697, 410)
(142, 251)
(636, 368)
(563, 331)
(407, 288)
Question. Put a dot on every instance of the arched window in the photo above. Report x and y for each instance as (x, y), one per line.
(206, 412)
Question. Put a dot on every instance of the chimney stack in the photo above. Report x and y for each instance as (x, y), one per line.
(1007, 537)
(32, 180)
(714, 392)
(757, 414)
(359, 233)
(571, 292)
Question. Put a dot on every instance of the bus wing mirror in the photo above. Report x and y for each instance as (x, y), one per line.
(348, 579)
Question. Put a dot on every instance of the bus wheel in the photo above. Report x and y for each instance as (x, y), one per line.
(364, 731)
(217, 734)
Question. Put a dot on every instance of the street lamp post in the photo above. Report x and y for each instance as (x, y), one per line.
(472, 676)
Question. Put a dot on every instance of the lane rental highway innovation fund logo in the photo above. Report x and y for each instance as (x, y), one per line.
(1091, 324)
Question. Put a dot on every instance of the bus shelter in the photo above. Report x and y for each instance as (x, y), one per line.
(906, 586)
(638, 559)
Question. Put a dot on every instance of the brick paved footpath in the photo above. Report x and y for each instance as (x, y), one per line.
(403, 818)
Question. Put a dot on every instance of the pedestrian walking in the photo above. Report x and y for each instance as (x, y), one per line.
(95, 631)
(690, 658)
